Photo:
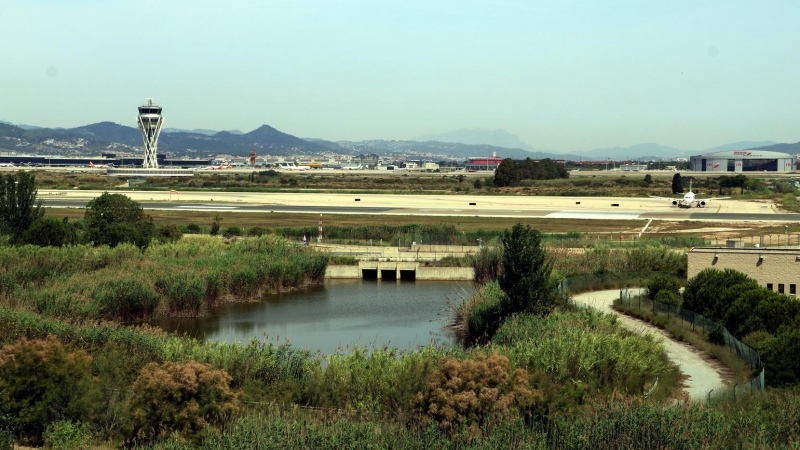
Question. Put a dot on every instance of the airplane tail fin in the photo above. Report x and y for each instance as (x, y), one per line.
(91, 164)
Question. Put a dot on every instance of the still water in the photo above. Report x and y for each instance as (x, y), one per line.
(338, 315)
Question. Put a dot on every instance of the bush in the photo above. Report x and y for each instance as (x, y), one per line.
(168, 233)
(187, 398)
(67, 435)
(7, 425)
(257, 231)
(42, 381)
(49, 232)
(474, 393)
(668, 297)
(661, 282)
(232, 231)
(193, 228)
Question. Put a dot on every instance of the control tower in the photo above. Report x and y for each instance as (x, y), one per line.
(150, 123)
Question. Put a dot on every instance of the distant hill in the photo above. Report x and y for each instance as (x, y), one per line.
(441, 149)
(742, 145)
(110, 132)
(793, 149)
(479, 136)
(334, 146)
(199, 131)
(646, 152)
(110, 136)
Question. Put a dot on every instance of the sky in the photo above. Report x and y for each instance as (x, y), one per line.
(562, 75)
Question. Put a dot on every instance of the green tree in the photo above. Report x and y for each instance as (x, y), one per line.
(648, 179)
(507, 173)
(677, 184)
(112, 219)
(527, 272)
(19, 206)
(49, 232)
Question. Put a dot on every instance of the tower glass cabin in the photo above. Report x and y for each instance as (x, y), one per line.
(150, 123)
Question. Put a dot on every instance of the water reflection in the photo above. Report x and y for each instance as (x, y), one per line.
(338, 315)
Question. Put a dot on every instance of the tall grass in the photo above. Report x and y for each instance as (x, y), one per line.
(136, 346)
(586, 346)
(185, 277)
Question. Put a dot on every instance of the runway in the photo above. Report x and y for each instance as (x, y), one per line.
(593, 208)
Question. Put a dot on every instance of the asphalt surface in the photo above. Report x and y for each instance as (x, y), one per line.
(445, 211)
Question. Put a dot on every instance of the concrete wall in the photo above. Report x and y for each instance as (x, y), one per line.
(342, 272)
(773, 267)
(422, 273)
(445, 273)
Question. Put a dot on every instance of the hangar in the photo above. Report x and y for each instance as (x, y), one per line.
(743, 161)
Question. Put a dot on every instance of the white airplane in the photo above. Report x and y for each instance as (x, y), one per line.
(290, 166)
(358, 167)
(100, 166)
(689, 198)
(219, 167)
(7, 165)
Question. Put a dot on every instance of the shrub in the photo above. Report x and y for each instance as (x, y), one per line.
(49, 232)
(168, 233)
(125, 299)
(668, 297)
(474, 393)
(257, 231)
(193, 228)
(42, 381)
(215, 225)
(7, 425)
(661, 282)
(232, 231)
(67, 435)
(187, 398)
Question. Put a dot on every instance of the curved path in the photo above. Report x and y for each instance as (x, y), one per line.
(702, 374)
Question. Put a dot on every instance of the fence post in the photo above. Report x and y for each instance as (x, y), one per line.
(709, 397)
(734, 392)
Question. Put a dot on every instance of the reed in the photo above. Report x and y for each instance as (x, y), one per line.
(184, 277)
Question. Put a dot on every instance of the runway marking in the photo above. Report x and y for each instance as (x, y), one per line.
(592, 215)
(209, 207)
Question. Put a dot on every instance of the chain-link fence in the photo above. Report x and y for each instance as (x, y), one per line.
(714, 332)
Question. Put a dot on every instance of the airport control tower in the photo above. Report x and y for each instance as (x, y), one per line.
(150, 123)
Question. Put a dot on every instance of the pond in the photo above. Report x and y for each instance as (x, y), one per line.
(337, 316)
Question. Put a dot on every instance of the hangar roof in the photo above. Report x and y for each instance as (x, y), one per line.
(746, 154)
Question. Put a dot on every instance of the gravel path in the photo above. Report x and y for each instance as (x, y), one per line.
(702, 373)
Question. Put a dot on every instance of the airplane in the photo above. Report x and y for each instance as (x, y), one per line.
(290, 166)
(689, 198)
(358, 167)
(219, 167)
(7, 165)
(101, 166)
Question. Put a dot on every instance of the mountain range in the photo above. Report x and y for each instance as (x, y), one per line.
(459, 144)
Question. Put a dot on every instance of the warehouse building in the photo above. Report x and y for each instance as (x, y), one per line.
(777, 269)
(743, 161)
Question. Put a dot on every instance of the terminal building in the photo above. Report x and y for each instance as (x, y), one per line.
(743, 161)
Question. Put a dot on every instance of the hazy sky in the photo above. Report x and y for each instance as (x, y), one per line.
(562, 75)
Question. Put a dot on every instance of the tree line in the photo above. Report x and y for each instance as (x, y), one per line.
(110, 219)
(509, 173)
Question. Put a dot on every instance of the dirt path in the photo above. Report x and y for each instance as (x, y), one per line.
(702, 375)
